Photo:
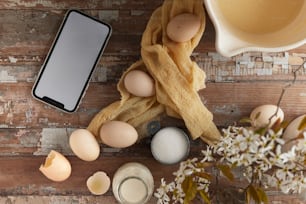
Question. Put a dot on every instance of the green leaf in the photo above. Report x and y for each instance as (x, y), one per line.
(262, 195)
(302, 124)
(252, 194)
(190, 189)
(204, 175)
(245, 120)
(248, 196)
(226, 171)
(204, 165)
(204, 196)
(256, 194)
(186, 183)
(261, 131)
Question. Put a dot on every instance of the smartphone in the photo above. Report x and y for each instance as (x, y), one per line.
(76, 50)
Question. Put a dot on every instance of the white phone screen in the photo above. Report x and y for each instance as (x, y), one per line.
(64, 77)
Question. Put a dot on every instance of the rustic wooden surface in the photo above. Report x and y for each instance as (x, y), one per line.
(30, 129)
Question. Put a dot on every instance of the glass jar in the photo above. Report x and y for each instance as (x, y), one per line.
(133, 183)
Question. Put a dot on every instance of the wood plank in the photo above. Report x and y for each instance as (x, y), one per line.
(34, 199)
(28, 32)
(31, 32)
(229, 102)
(30, 129)
(20, 177)
(40, 141)
(241, 68)
(78, 4)
(275, 199)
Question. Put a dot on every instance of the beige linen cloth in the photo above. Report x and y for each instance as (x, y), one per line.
(177, 78)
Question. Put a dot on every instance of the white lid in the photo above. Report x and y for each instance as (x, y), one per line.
(170, 145)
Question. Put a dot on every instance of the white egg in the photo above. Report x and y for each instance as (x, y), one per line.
(260, 116)
(292, 132)
(56, 167)
(84, 145)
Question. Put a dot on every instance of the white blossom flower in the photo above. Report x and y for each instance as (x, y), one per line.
(285, 186)
(162, 192)
(276, 137)
(179, 194)
(203, 184)
(240, 143)
(208, 156)
(259, 155)
(289, 156)
(269, 181)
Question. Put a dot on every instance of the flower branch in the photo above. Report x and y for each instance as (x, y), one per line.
(266, 160)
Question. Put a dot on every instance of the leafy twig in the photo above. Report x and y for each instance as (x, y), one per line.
(284, 89)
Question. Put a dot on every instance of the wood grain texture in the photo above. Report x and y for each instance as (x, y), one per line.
(227, 101)
(19, 173)
(30, 129)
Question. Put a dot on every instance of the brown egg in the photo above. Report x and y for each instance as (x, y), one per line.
(183, 27)
(56, 167)
(84, 145)
(118, 134)
(139, 83)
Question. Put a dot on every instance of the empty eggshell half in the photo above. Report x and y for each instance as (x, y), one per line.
(118, 134)
(84, 145)
(56, 167)
(261, 115)
(139, 83)
(183, 27)
(98, 183)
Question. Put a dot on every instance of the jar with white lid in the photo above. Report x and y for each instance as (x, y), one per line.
(133, 183)
(170, 145)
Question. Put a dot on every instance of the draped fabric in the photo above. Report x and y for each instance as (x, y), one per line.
(177, 78)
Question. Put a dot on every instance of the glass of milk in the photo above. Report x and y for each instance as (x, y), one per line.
(133, 183)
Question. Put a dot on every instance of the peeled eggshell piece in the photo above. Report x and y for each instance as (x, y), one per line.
(118, 134)
(56, 167)
(260, 116)
(183, 27)
(139, 83)
(291, 132)
(84, 145)
(98, 183)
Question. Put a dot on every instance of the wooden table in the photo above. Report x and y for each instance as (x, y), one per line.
(30, 129)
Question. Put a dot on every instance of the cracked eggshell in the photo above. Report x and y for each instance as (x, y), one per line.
(84, 145)
(260, 115)
(56, 167)
(98, 183)
(118, 134)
